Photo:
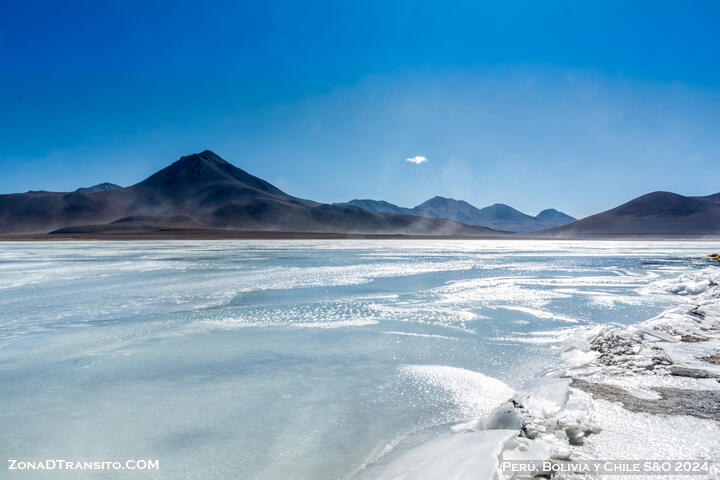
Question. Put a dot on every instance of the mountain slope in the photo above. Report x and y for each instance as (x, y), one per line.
(202, 191)
(378, 206)
(100, 187)
(657, 213)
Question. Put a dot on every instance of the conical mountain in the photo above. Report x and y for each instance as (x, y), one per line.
(206, 169)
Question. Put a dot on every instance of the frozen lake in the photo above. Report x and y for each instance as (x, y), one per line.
(289, 359)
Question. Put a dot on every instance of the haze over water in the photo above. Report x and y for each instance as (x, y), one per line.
(289, 359)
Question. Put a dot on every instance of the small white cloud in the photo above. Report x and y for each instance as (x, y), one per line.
(417, 160)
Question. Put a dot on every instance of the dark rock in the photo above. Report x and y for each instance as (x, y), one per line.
(714, 358)
(672, 401)
(692, 373)
(693, 338)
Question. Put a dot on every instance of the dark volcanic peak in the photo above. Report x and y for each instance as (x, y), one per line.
(100, 187)
(203, 169)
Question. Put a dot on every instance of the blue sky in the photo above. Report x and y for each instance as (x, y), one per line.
(574, 105)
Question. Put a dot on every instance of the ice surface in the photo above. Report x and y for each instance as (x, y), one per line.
(547, 395)
(476, 393)
(321, 359)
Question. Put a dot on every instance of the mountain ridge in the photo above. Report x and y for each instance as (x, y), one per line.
(100, 187)
(203, 192)
(498, 216)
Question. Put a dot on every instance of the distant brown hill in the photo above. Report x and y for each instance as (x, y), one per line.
(657, 213)
(202, 191)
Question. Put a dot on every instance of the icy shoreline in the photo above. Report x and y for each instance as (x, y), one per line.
(644, 392)
(649, 391)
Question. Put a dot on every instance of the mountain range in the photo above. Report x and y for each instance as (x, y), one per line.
(203, 196)
(498, 216)
(202, 192)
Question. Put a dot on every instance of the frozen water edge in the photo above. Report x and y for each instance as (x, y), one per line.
(650, 391)
(463, 456)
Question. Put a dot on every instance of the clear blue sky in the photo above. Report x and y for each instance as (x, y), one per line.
(575, 105)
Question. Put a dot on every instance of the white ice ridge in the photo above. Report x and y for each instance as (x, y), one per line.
(462, 456)
(473, 450)
(475, 393)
